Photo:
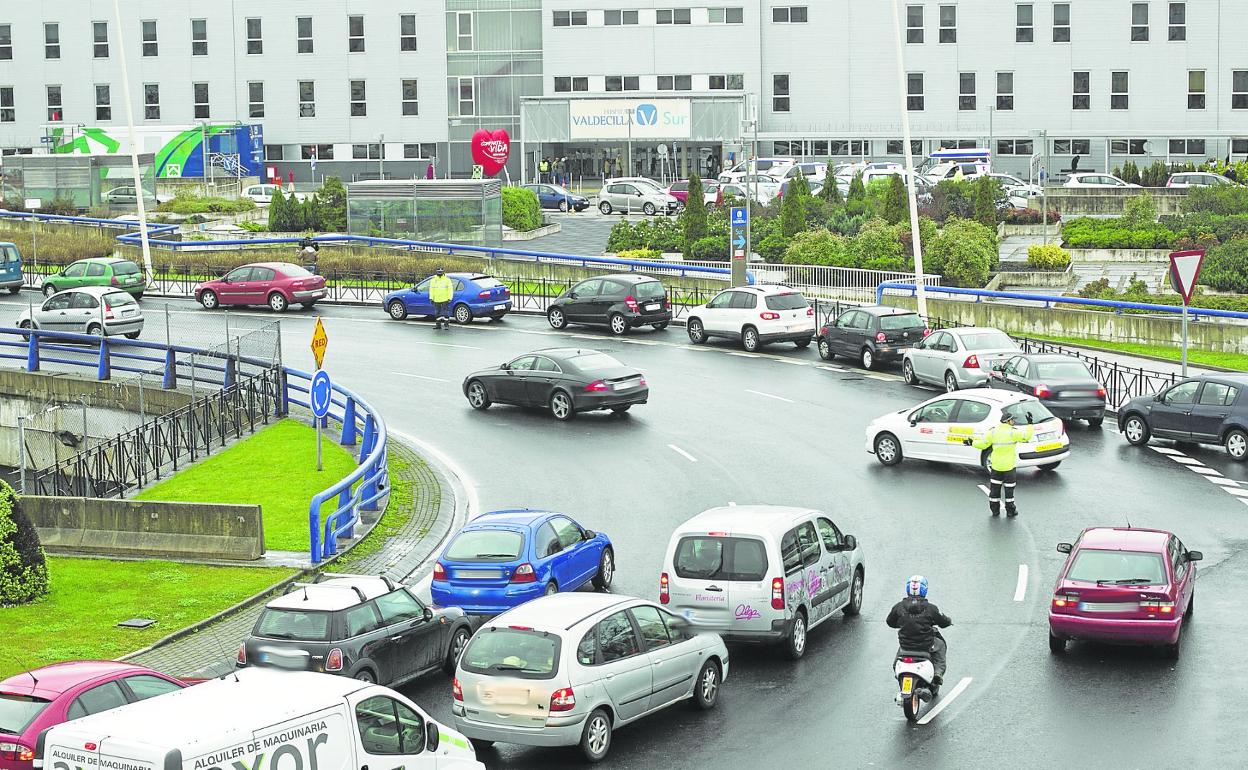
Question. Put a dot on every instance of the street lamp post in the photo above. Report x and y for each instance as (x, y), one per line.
(919, 291)
(134, 147)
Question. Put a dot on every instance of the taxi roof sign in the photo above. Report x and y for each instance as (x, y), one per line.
(320, 341)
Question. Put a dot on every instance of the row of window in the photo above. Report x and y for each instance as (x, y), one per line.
(1025, 23)
(780, 14)
(734, 81)
(373, 151)
(823, 148)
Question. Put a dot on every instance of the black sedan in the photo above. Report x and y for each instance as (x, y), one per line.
(872, 335)
(564, 380)
(1061, 383)
(1209, 409)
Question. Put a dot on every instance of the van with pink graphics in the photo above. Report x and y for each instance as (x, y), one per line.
(762, 573)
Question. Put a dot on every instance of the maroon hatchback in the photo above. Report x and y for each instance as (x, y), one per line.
(1124, 586)
(276, 284)
(36, 700)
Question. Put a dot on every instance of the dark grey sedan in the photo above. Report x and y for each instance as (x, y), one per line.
(1061, 383)
(564, 380)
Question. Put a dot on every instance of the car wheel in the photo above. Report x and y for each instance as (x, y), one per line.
(706, 689)
(463, 314)
(596, 738)
(132, 335)
(888, 449)
(563, 206)
(604, 207)
(749, 339)
(795, 642)
(825, 349)
(15, 290)
(697, 333)
(481, 743)
(364, 675)
(208, 299)
(307, 305)
(606, 570)
(478, 396)
(802, 344)
(551, 588)
(985, 460)
(618, 324)
(951, 382)
(1095, 422)
(1057, 645)
(497, 316)
(855, 594)
(867, 358)
(1136, 430)
(95, 330)
(23, 324)
(397, 310)
(459, 640)
(660, 326)
(1237, 445)
(1173, 650)
(907, 373)
(278, 302)
(621, 409)
(1050, 466)
(1191, 608)
(48, 290)
(648, 209)
(556, 318)
(561, 406)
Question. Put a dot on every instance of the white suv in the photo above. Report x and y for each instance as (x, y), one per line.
(755, 315)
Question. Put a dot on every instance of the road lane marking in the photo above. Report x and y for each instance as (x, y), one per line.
(827, 368)
(1237, 491)
(1165, 450)
(420, 377)
(883, 377)
(682, 453)
(1204, 471)
(1185, 460)
(743, 355)
(770, 395)
(983, 488)
(1223, 481)
(442, 344)
(1020, 588)
(957, 690)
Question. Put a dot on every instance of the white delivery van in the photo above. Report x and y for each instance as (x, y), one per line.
(260, 719)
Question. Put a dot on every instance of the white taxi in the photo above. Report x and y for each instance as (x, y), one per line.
(937, 429)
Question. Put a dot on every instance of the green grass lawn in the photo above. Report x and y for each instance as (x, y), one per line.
(276, 469)
(90, 596)
(1195, 357)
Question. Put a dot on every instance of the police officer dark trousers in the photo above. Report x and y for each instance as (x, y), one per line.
(1002, 477)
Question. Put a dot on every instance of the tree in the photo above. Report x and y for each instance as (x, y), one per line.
(313, 214)
(277, 212)
(857, 198)
(963, 252)
(333, 195)
(1130, 172)
(1140, 211)
(984, 193)
(831, 191)
(693, 218)
(23, 566)
(897, 204)
(793, 206)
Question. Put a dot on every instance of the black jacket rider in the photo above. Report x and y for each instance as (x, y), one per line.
(916, 620)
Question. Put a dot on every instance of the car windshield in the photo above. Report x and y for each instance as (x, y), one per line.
(709, 186)
(590, 362)
(515, 652)
(1093, 565)
(891, 323)
(790, 301)
(125, 268)
(300, 625)
(486, 545)
(987, 341)
(295, 271)
(707, 557)
(1056, 369)
(18, 711)
(648, 290)
(1028, 413)
(118, 298)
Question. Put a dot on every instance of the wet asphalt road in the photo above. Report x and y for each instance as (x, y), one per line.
(778, 429)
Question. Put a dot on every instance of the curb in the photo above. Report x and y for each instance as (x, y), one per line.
(463, 497)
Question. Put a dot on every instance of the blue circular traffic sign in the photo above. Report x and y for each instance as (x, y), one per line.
(321, 393)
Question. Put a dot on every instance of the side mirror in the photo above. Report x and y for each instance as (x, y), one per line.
(505, 366)
(226, 280)
(851, 543)
(1064, 547)
(432, 736)
(572, 295)
(428, 614)
(1195, 556)
(589, 534)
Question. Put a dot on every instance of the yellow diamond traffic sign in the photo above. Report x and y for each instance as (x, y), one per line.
(320, 340)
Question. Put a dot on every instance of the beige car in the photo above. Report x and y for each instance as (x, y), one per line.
(629, 197)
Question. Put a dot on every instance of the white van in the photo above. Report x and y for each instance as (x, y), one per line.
(262, 719)
(762, 573)
(769, 166)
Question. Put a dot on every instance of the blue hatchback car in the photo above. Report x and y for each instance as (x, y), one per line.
(475, 295)
(505, 558)
(553, 196)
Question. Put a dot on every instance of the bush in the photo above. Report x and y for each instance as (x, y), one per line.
(1226, 267)
(772, 246)
(964, 253)
(1130, 173)
(952, 198)
(793, 206)
(1155, 175)
(521, 210)
(830, 192)
(1224, 199)
(1048, 257)
(820, 247)
(984, 194)
(252, 227)
(333, 197)
(62, 206)
(711, 248)
(897, 204)
(1087, 233)
(623, 237)
(878, 247)
(663, 235)
(639, 254)
(1140, 211)
(23, 567)
(693, 218)
(1019, 216)
(856, 199)
(188, 202)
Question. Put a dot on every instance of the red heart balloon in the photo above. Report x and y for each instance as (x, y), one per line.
(490, 149)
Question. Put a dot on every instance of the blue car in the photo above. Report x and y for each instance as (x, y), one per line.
(475, 295)
(11, 268)
(553, 196)
(503, 559)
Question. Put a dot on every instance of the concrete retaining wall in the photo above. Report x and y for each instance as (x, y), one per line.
(1032, 279)
(156, 529)
(1135, 256)
(1005, 231)
(1073, 201)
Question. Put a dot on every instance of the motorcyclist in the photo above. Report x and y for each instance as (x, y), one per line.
(916, 620)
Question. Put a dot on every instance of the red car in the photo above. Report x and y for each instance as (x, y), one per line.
(276, 284)
(1124, 586)
(711, 193)
(36, 700)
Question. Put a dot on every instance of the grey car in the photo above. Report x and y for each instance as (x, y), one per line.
(957, 358)
(95, 310)
(628, 197)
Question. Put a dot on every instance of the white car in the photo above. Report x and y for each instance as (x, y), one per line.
(937, 429)
(124, 195)
(747, 167)
(262, 194)
(813, 171)
(1016, 187)
(97, 310)
(957, 358)
(762, 573)
(1093, 179)
(755, 315)
(766, 187)
(1188, 179)
(569, 668)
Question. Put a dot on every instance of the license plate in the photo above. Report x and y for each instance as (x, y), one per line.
(624, 385)
(132, 279)
(1047, 436)
(795, 328)
(1047, 447)
(907, 685)
(506, 696)
(500, 307)
(652, 306)
(477, 574)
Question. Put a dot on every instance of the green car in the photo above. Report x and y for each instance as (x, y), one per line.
(97, 271)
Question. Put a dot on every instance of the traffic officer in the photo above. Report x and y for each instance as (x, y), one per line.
(1003, 440)
(441, 290)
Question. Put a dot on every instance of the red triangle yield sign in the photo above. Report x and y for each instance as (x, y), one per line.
(1184, 269)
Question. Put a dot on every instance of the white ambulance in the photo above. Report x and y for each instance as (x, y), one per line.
(260, 719)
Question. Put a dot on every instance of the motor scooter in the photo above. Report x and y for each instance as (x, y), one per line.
(914, 672)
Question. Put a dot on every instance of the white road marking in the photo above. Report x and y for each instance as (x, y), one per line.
(770, 395)
(957, 690)
(1185, 460)
(883, 377)
(682, 453)
(1237, 491)
(1020, 588)
(419, 377)
(983, 488)
(1204, 471)
(743, 355)
(793, 361)
(441, 345)
(1223, 481)
(1165, 450)
(827, 368)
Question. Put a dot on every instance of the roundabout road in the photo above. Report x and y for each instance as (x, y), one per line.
(785, 428)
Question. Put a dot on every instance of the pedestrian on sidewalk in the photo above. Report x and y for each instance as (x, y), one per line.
(441, 290)
(1003, 440)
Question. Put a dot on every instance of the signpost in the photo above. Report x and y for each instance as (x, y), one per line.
(1184, 270)
(320, 341)
(320, 394)
(32, 205)
(739, 243)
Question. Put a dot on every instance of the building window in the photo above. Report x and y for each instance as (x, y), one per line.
(779, 93)
(255, 99)
(99, 36)
(675, 83)
(467, 97)
(1014, 147)
(200, 93)
(56, 108)
(793, 147)
(1061, 22)
(567, 85)
(1178, 21)
(1082, 99)
(359, 99)
(623, 83)
(1128, 146)
(673, 16)
(307, 99)
(1238, 146)
(151, 101)
(572, 18)
(199, 37)
(463, 31)
(1195, 89)
(1187, 147)
(1239, 90)
(897, 147)
(7, 113)
(948, 23)
(1024, 27)
(789, 14)
(423, 151)
(914, 24)
(966, 91)
(726, 15)
(407, 32)
(6, 42)
(733, 82)
(1118, 94)
(316, 151)
(255, 40)
(355, 34)
(1139, 22)
(150, 46)
(52, 41)
(274, 152)
(914, 91)
(303, 34)
(103, 102)
(1072, 146)
(366, 151)
(847, 147)
(958, 144)
(619, 18)
(411, 105)
(1005, 90)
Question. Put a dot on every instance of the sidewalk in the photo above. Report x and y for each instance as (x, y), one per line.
(210, 649)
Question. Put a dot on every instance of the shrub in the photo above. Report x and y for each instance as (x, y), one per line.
(1048, 257)
(897, 204)
(521, 210)
(1140, 210)
(693, 218)
(252, 227)
(61, 205)
(1226, 267)
(964, 252)
(878, 247)
(772, 246)
(1098, 289)
(952, 198)
(984, 194)
(1029, 216)
(1087, 233)
(711, 248)
(793, 207)
(639, 254)
(23, 567)
(1155, 175)
(831, 192)
(856, 200)
(623, 237)
(1130, 173)
(188, 202)
(1224, 199)
(819, 247)
(333, 196)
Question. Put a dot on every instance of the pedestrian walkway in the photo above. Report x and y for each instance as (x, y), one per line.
(210, 649)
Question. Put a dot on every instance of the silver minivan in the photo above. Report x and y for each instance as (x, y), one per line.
(762, 573)
(633, 197)
(97, 310)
